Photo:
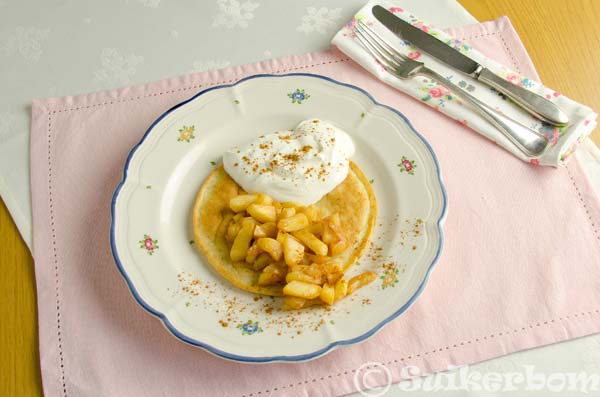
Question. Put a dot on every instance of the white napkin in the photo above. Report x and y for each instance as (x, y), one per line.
(563, 141)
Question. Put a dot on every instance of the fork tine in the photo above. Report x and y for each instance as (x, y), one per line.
(378, 52)
(371, 49)
(395, 54)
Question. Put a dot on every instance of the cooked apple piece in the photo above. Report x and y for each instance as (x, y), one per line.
(302, 290)
(328, 294)
(335, 221)
(271, 246)
(315, 270)
(333, 224)
(242, 242)
(280, 236)
(305, 260)
(238, 217)
(332, 272)
(333, 278)
(293, 251)
(262, 213)
(313, 302)
(341, 289)
(263, 199)
(312, 213)
(242, 265)
(268, 229)
(361, 280)
(272, 274)
(329, 236)
(333, 267)
(253, 253)
(224, 226)
(339, 247)
(240, 203)
(232, 230)
(315, 228)
(311, 241)
(287, 212)
(300, 276)
(249, 219)
(293, 223)
(293, 303)
(268, 278)
(262, 260)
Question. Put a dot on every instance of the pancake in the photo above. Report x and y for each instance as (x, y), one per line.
(353, 199)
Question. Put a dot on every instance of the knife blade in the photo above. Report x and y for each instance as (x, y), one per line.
(535, 104)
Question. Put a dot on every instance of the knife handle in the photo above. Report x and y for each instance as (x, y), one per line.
(535, 104)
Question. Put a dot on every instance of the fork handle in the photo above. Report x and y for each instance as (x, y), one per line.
(527, 140)
(535, 104)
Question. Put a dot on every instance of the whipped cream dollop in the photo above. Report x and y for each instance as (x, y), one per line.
(300, 166)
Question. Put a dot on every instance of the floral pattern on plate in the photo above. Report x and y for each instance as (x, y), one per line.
(298, 96)
(389, 278)
(250, 327)
(407, 165)
(186, 133)
(149, 244)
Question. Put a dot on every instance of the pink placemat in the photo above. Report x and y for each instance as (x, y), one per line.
(519, 268)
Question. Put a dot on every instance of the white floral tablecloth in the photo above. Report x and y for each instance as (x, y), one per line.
(65, 47)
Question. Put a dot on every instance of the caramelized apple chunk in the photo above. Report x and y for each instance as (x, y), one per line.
(290, 245)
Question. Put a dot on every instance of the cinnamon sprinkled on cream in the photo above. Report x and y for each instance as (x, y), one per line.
(301, 165)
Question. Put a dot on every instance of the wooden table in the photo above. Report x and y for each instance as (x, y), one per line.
(562, 37)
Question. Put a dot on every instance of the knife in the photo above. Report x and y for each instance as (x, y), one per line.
(535, 104)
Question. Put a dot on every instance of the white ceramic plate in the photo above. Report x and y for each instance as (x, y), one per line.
(151, 234)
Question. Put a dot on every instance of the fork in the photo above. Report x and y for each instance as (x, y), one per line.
(527, 140)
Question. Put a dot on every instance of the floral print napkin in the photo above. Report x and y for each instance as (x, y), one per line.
(563, 140)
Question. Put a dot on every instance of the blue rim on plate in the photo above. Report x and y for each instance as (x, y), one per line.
(331, 346)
